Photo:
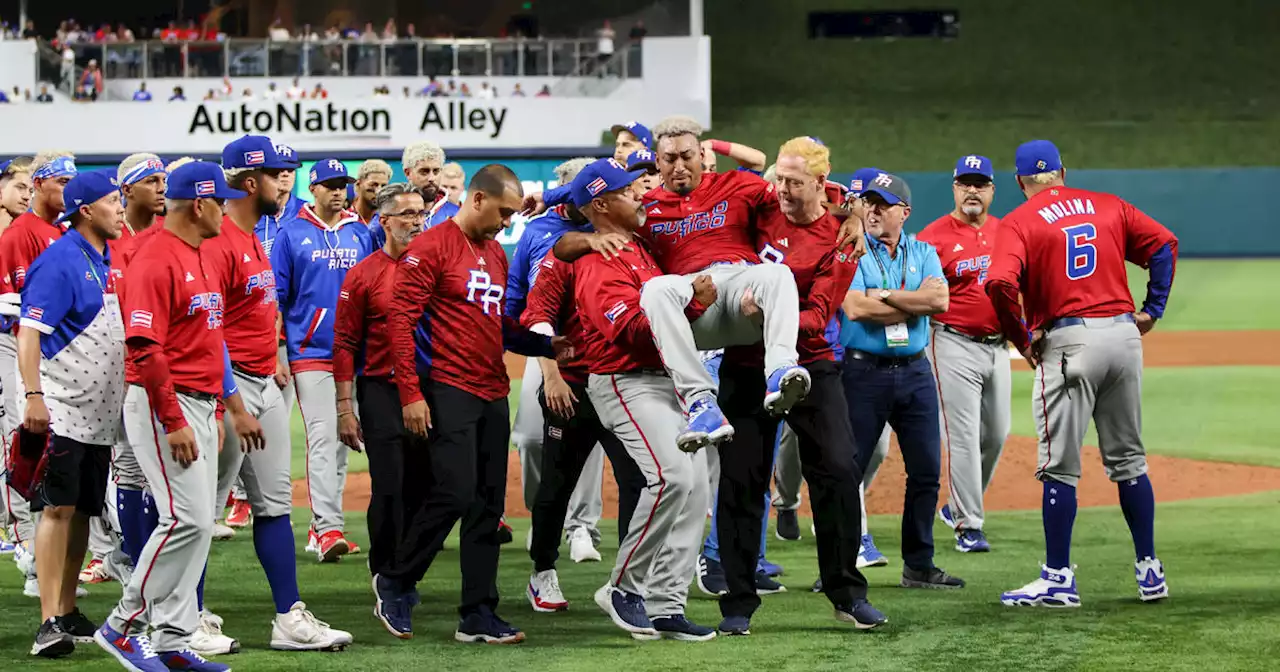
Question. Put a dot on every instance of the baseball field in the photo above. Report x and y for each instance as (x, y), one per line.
(1210, 425)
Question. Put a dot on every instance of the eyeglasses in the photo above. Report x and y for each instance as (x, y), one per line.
(409, 214)
(976, 186)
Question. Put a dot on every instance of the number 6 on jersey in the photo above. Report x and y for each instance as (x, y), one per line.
(1082, 255)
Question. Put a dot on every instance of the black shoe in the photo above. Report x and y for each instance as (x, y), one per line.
(817, 586)
(765, 585)
(735, 626)
(788, 527)
(52, 641)
(930, 578)
(711, 577)
(78, 626)
(861, 614)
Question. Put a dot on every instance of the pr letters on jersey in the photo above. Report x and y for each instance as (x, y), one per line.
(698, 221)
(480, 289)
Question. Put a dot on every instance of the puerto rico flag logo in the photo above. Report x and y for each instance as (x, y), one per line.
(35, 313)
(140, 319)
(597, 185)
(206, 188)
(616, 311)
(255, 158)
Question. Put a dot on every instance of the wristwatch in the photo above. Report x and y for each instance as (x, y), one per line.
(884, 295)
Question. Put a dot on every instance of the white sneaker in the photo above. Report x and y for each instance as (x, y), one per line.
(25, 560)
(32, 589)
(222, 533)
(208, 639)
(544, 592)
(1150, 575)
(581, 548)
(300, 630)
(1054, 588)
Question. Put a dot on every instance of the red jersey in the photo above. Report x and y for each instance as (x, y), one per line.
(607, 294)
(551, 300)
(1064, 250)
(173, 297)
(823, 274)
(713, 224)
(20, 244)
(446, 314)
(122, 252)
(360, 337)
(117, 248)
(249, 290)
(965, 253)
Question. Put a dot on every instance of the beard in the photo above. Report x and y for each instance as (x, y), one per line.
(267, 207)
(430, 193)
(972, 209)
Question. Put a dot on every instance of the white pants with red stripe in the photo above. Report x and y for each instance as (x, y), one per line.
(660, 552)
(162, 591)
(326, 455)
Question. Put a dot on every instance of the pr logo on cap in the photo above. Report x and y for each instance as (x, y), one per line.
(336, 165)
(644, 155)
(207, 187)
(884, 180)
(597, 185)
(973, 162)
(1041, 164)
(255, 158)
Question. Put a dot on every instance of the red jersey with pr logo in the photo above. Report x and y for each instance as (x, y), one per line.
(173, 297)
(965, 252)
(446, 314)
(250, 294)
(361, 342)
(1065, 250)
(551, 300)
(607, 293)
(713, 224)
(822, 273)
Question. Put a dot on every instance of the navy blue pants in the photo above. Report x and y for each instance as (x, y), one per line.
(906, 397)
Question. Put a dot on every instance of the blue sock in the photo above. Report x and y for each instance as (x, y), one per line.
(764, 532)
(148, 517)
(711, 547)
(273, 542)
(1139, 505)
(200, 587)
(129, 509)
(1058, 510)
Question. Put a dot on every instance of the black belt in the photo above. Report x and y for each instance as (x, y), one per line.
(236, 367)
(643, 372)
(992, 339)
(883, 362)
(202, 396)
(1080, 321)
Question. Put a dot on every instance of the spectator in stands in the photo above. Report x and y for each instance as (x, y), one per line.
(332, 34)
(142, 95)
(604, 42)
(517, 92)
(191, 32)
(432, 89)
(453, 180)
(638, 31)
(247, 95)
(319, 92)
(307, 34)
(389, 32)
(407, 93)
(465, 91)
(177, 95)
(277, 32)
(17, 96)
(380, 92)
(45, 96)
(272, 93)
(91, 79)
(68, 66)
(171, 33)
(29, 33)
(296, 92)
(487, 92)
(211, 95)
(544, 92)
(452, 90)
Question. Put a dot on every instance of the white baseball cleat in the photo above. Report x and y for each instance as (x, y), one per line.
(787, 387)
(208, 639)
(581, 548)
(1055, 588)
(222, 533)
(32, 589)
(300, 630)
(1150, 575)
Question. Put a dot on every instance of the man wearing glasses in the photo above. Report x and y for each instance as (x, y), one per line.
(899, 283)
(969, 355)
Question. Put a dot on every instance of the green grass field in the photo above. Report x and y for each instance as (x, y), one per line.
(1219, 555)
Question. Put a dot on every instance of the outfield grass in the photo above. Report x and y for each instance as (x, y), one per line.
(1219, 295)
(1224, 608)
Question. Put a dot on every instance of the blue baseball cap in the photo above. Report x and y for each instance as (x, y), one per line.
(329, 169)
(862, 177)
(351, 192)
(254, 151)
(86, 188)
(1037, 156)
(891, 188)
(642, 159)
(287, 154)
(600, 177)
(200, 179)
(5, 165)
(63, 166)
(637, 129)
(974, 165)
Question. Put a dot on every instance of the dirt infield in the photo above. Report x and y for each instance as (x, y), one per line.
(1013, 486)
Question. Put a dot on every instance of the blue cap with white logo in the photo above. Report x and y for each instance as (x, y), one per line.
(87, 188)
(1037, 156)
(974, 165)
(642, 159)
(601, 177)
(330, 169)
(200, 179)
(637, 129)
(254, 151)
(289, 156)
(862, 177)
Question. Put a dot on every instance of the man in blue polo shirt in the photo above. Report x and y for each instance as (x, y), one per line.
(887, 379)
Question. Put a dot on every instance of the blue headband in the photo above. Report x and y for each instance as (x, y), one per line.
(142, 171)
(62, 166)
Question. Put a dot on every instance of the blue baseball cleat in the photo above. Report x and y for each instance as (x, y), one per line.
(1055, 588)
(972, 541)
(187, 659)
(133, 653)
(1150, 575)
(707, 427)
(682, 629)
(945, 515)
(627, 611)
(869, 555)
(787, 387)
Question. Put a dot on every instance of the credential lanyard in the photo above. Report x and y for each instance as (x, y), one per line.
(101, 285)
(884, 273)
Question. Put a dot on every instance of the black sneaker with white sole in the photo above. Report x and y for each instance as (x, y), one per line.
(711, 579)
(78, 626)
(52, 641)
(788, 526)
(861, 614)
(765, 585)
(933, 578)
